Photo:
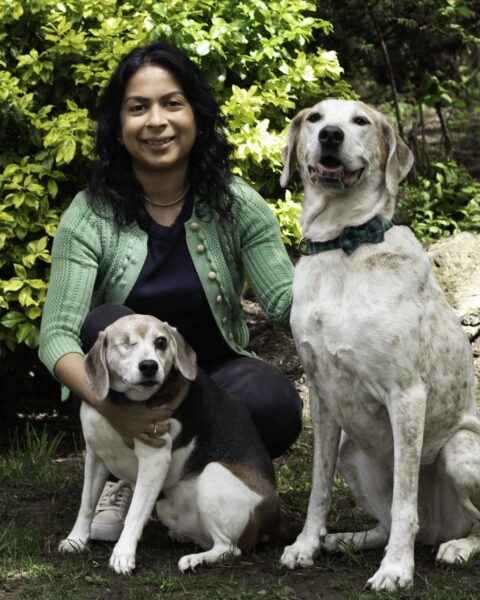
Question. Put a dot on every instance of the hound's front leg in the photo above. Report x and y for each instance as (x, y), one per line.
(95, 476)
(153, 465)
(406, 409)
(326, 436)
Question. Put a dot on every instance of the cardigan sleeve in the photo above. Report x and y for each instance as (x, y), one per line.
(267, 265)
(76, 255)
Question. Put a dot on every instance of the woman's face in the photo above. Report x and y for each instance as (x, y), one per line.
(157, 124)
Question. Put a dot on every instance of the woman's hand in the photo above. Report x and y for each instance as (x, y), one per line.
(130, 419)
(136, 420)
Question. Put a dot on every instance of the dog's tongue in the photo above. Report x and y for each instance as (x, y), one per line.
(333, 174)
(321, 172)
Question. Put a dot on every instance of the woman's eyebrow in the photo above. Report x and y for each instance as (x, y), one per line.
(164, 97)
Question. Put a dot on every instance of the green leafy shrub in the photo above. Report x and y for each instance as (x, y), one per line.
(445, 204)
(56, 56)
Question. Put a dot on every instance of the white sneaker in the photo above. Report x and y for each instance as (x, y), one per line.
(111, 511)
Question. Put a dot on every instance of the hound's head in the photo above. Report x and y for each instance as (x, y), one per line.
(135, 355)
(338, 144)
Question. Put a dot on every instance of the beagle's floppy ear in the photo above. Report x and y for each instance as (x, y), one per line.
(290, 151)
(400, 158)
(96, 367)
(185, 359)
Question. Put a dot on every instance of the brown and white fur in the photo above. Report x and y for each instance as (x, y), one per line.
(390, 371)
(214, 473)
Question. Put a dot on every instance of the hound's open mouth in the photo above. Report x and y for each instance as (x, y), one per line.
(331, 172)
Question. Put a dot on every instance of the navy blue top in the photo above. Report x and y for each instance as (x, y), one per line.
(168, 287)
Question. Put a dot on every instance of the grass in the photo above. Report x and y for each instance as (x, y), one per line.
(40, 495)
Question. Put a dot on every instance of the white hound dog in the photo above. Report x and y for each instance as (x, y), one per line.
(390, 371)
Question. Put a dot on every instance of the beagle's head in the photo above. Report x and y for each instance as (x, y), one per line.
(338, 144)
(135, 355)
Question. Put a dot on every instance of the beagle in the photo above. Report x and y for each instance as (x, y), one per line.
(212, 483)
(390, 371)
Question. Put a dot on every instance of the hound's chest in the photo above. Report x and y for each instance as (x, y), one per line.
(334, 317)
(330, 302)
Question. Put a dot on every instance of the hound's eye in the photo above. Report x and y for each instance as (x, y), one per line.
(314, 117)
(361, 121)
(161, 342)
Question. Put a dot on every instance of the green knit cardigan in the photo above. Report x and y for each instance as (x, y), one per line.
(95, 262)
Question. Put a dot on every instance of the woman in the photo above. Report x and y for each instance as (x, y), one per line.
(164, 229)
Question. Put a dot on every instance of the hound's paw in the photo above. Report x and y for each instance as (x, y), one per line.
(454, 552)
(123, 563)
(390, 577)
(71, 545)
(300, 554)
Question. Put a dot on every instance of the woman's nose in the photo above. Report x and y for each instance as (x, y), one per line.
(156, 116)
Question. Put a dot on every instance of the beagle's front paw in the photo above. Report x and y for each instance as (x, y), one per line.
(71, 545)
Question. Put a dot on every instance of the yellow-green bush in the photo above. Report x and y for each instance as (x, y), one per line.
(55, 57)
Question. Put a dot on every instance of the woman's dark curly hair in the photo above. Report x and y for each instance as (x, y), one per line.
(113, 182)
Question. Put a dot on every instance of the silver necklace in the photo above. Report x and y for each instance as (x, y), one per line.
(181, 197)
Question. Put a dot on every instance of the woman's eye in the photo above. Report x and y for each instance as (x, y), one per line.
(174, 104)
(161, 343)
(135, 108)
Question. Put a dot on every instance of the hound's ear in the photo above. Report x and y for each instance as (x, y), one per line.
(400, 158)
(290, 150)
(96, 367)
(185, 359)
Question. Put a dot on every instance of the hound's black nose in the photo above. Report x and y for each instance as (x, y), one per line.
(148, 367)
(331, 136)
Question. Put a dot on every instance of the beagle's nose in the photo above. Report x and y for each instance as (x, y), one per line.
(148, 367)
(331, 136)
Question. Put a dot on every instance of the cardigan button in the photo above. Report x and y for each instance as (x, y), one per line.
(230, 336)
(194, 226)
(224, 320)
(212, 275)
(200, 248)
(219, 298)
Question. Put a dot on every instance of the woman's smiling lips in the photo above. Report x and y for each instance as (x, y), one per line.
(159, 143)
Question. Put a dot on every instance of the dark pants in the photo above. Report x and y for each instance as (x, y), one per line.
(271, 399)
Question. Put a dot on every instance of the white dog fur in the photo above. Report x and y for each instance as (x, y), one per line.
(222, 505)
(390, 371)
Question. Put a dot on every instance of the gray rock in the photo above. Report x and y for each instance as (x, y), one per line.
(456, 265)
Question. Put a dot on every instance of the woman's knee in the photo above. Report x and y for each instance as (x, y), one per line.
(98, 319)
(271, 399)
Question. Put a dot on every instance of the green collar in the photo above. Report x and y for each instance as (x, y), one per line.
(350, 238)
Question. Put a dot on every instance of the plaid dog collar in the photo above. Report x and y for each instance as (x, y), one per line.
(350, 238)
